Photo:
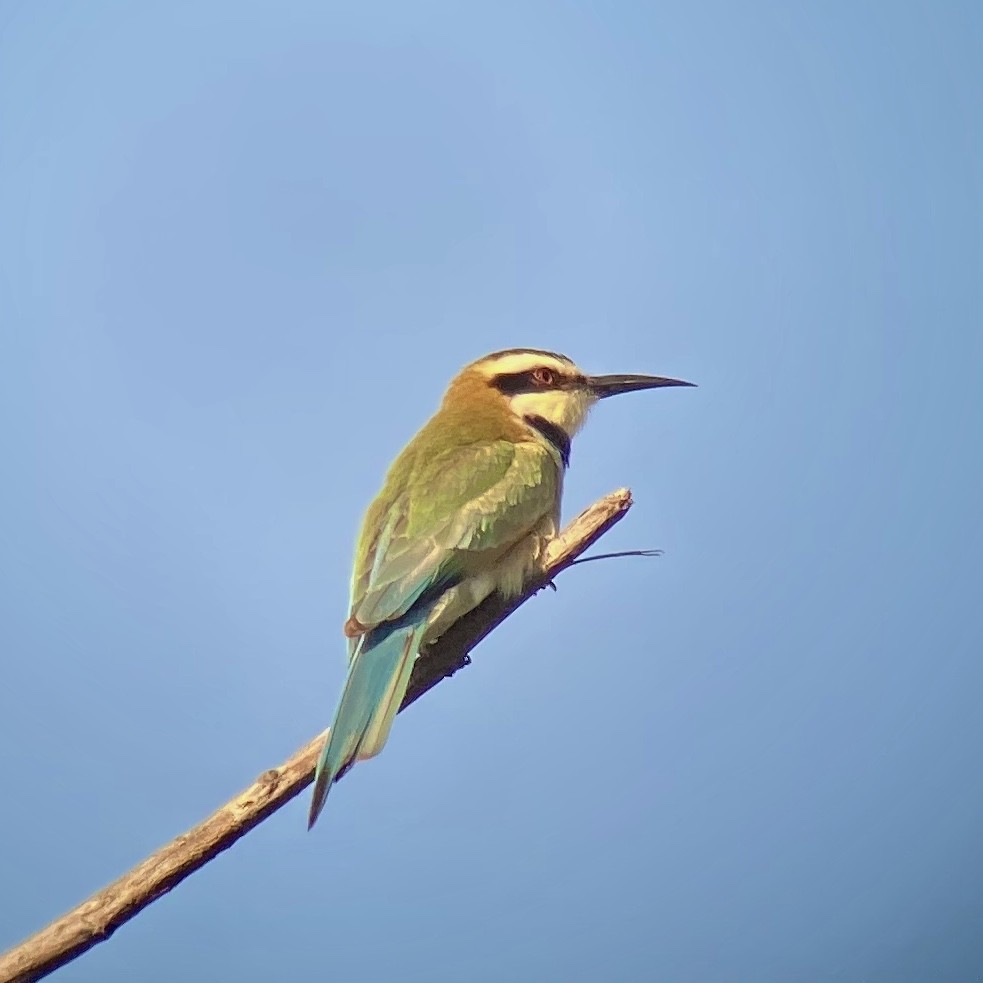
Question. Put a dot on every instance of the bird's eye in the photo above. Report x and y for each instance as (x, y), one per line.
(543, 376)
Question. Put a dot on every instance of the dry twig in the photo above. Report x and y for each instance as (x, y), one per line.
(94, 920)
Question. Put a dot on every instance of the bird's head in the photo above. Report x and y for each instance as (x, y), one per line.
(541, 387)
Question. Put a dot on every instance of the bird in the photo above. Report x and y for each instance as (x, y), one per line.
(466, 509)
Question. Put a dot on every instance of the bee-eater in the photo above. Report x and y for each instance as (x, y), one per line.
(466, 509)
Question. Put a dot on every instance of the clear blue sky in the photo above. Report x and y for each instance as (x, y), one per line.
(243, 247)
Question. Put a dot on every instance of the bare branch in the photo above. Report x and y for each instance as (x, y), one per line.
(96, 919)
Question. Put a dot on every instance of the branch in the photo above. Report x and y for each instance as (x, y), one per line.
(96, 919)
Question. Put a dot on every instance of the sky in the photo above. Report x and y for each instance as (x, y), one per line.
(244, 246)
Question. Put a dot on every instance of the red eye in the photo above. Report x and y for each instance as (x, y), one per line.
(543, 376)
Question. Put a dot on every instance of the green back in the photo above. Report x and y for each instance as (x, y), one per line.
(461, 492)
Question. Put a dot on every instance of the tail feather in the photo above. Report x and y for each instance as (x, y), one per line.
(376, 684)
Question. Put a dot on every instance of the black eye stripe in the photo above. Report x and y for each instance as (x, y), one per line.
(515, 383)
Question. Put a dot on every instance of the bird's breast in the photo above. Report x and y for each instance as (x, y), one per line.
(515, 567)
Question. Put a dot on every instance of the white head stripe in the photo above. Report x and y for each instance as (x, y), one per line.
(511, 362)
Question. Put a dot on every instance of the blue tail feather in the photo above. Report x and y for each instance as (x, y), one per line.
(374, 689)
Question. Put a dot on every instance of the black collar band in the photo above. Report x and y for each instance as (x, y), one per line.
(557, 436)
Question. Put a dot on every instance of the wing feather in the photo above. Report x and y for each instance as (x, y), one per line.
(423, 533)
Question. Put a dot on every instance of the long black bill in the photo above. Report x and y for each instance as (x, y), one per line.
(611, 385)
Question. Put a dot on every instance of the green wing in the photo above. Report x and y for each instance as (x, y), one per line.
(437, 512)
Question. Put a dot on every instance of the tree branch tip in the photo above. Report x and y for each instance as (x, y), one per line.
(617, 555)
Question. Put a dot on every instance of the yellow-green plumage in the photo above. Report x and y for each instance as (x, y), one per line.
(471, 485)
(466, 509)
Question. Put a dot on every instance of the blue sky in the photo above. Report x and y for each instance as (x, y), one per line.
(244, 246)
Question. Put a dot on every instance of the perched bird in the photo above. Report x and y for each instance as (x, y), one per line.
(466, 509)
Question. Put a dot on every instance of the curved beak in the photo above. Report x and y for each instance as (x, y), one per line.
(603, 386)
